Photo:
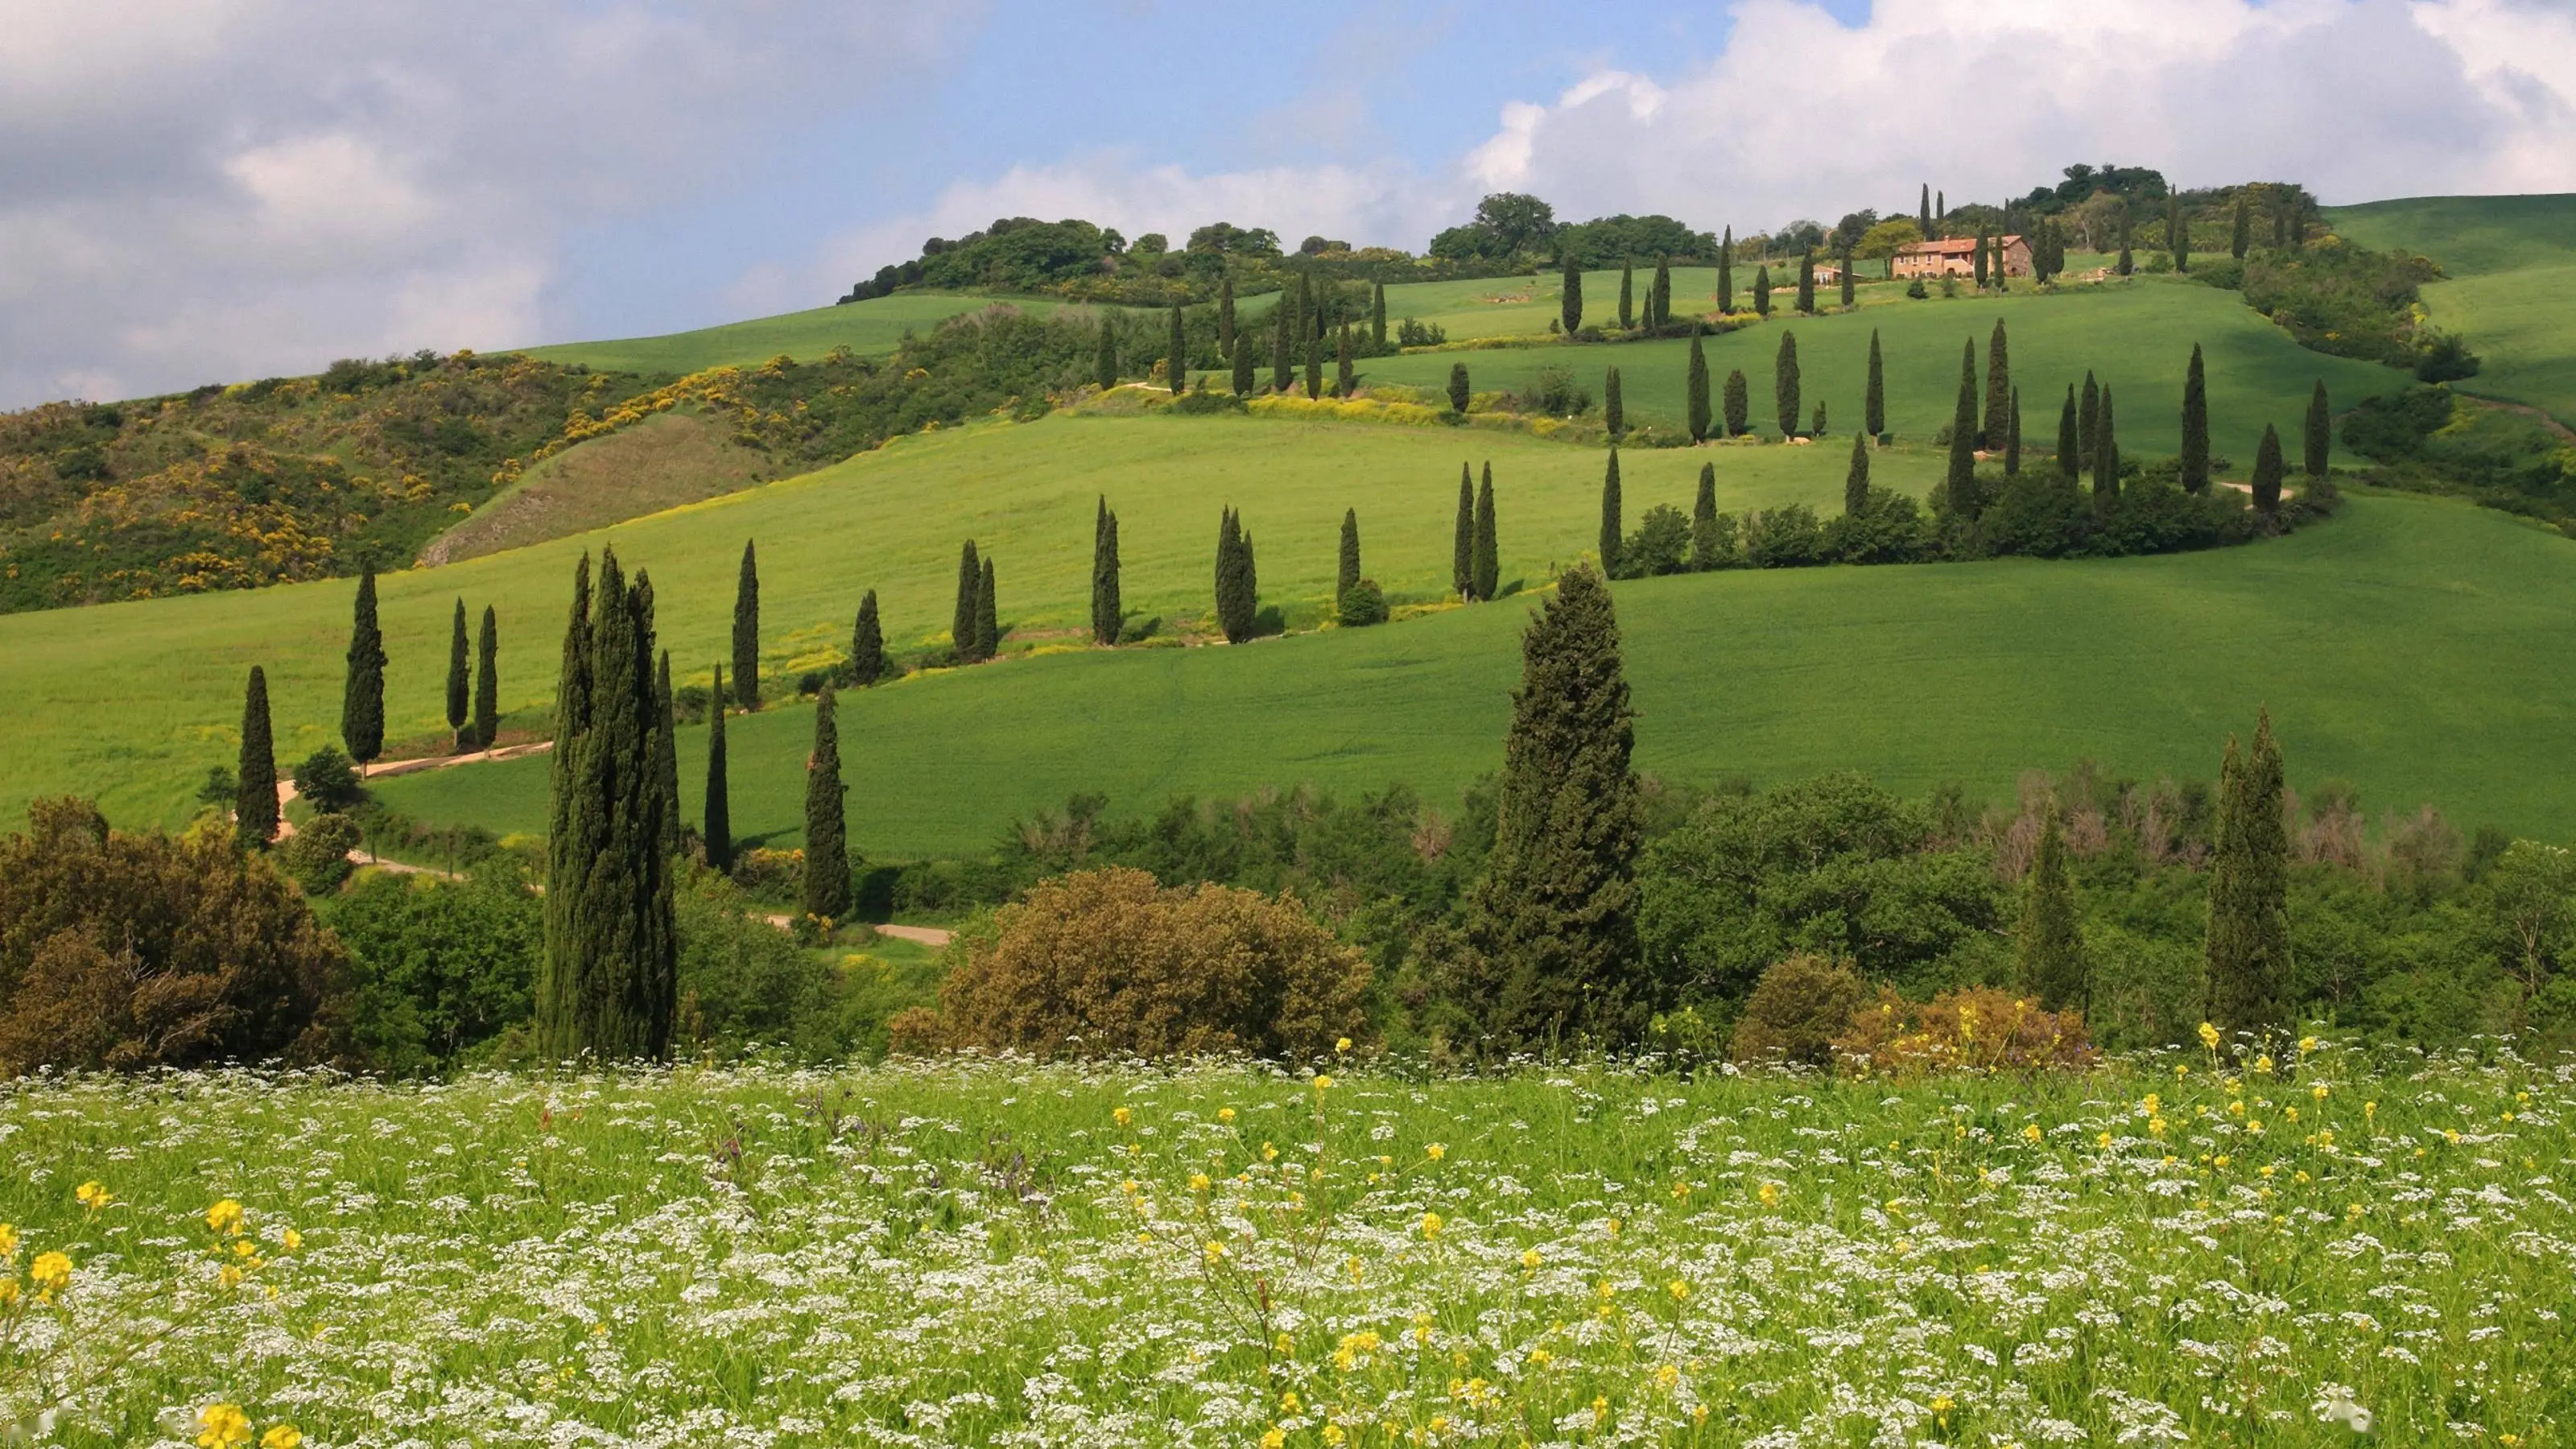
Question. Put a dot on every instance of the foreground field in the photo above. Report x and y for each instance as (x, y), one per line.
(964, 1254)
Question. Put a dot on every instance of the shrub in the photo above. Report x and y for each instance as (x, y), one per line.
(689, 704)
(1553, 393)
(1915, 290)
(1410, 333)
(1972, 1029)
(1801, 1004)
(1108, 963)
(440, 968)
(744, 982)
(327, 780)
(775, 876)
(1660, 545)
(1364, 603)
(316, 856)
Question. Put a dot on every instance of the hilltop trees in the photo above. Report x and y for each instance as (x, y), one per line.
(1237, 588)
(1739, 405)
(362, 691)
(867, 645)
(970, 592)
(827, 849)
(746, 630)
(1553, 921)
(487, 680)
(1874, 402)
(1108, 611)
(255, 780)
(1960, 484)
(1784, 384)
(1611, 529)
(608, 983)
(1462, 567)
(2247, 961)
(460, 690)
(718, 830)
(1697, 390)
(2268, 472)
(2320, 432)
(1488, 565)
(2192, 469)
(2048, 950)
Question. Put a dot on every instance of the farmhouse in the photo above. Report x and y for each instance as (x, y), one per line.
(1957, 257)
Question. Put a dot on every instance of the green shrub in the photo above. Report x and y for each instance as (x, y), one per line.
(316, 856)
(1362, 604)
(1659, 545)
(744, 982)
(1794, 1014)
(327, 781)
(441, 969)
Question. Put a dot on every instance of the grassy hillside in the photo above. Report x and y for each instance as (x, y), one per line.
(2415, 647)
(2512, 287)
(869, 329)
(2135, 337)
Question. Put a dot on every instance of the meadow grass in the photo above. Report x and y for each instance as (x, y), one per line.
(870, 328)
(2157, 1252)
(2512, 289)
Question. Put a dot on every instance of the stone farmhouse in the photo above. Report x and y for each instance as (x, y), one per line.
(1957, 257)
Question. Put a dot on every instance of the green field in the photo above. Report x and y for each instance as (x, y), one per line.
(867, 328)
(2136, 337)
(1002, 1253)
(2512, 287)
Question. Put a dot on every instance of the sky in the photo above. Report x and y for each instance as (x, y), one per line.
(195, 191)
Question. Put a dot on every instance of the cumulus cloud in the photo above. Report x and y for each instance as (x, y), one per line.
(194, 190)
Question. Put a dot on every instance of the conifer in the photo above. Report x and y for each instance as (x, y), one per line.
(1314, 367)
(1762, 290)
(1570, 295)
(1345, 381)
(1459, 396)
(1874, 401)
(1553, 920)
(2106, 453)
(1489, 565)
(1377, 318)
(2320, 433)
(1614, 410)
(1923, 224)
(2248, 966)
(1349, 577)
(255, 777)
(1627, 286)
(867, 645)
(1704, 520)
(666, 755)
(746, 631)
(2048, 950)
(2012, 438)
(1726, 273)
(1659, 297)
(1176, 355)
(2268, 472)
(1784, 384)
(1104, 366)
(1849, 284)
(1612, 532)
(2070, 447)
(827, 846)
(970, 591)
(1225, 318)
(1961, 481)
(1108, 609)
(1739, 405)
(1235, 605)
(2192, 468)
(1241, 360)
(2089, 417)
(1696, 390)
(1462, 563)
(362, 694)
(1282, 373)
(988, 622)
(718, 830)
(1977, 261)
(487, 681)
(1855, 480)
(1807, 282)
(460, 687)
(1998, 388)
(2128, 263)
(2177, 232)
(2241, 239)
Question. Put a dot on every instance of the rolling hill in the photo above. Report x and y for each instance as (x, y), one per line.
(2511, 288)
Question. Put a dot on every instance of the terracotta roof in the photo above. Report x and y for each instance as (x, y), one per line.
(1957, 246)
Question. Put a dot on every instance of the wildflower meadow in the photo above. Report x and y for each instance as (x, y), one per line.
(2162, 1251)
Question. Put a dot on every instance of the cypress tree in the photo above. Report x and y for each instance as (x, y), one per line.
(2248, 980)
(1659, 297)
(988, 623)
(1281, 373)
(970, 591)
(2070, 447)
(666, 754)
(2128, 264)
(608, 983)
(1462, 566)
(1998, 389)
(719, 809)
(255, 780)
(2268, 472)
(1614, 412)
(2012, 439)
(460, 691)
(2320, 438)
(2089, 419)
(1697, 390)
(2177, 232)
(1234, 611)
(2192, 469)
(1241, 360)
(1176, 356)
(362, 694)
(1345, 382)
(1611, 533)
(1855, 480)
(1627, 285)
(2048, 950)
(1807, 281)
(867, 645)
(1108, 610)
(2241, 239)
(1704, 520)
(1377, 317)
(746, 631)
(1977, 261)
(827, 846)
(1924, 223)
(1940, 208)
(1845, 268)
(1784, 383)
(487, 680)
(1739, 405)
(1349, 577)
(2106, 453)
(1225, 319)
(1489, 565)
(1874, 402)
(1762, 291)
(1962, 478)
(1570, 296)
(1104, 366)
(1459, 396)
(1554, 918)
(1314, 367)
(1726, 273)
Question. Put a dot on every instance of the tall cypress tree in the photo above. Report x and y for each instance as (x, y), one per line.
(1108, 609)
(1627, 288)
(1554, 918)
(1962, 478)
(988, 621)
(2248, 969)
(2320, 436)
(1225, 318)
(2241, 239)
(1611, 531)
(1704, 550)
(1923, 224)
(1738, 402)
(1345, 381)
(2012, 439)
(1874, 402)
(1726, 273)
(1977, 261)
(608, 984)
(487, 680)
(1762, 290)
(2128, 263)
(1696, 388)
(1104, 361)
(2192, 469)
(1377, 317)
(1998, 389)
(1659, 297)
(719, 808)
(1459, 395)
(827, 844)
(1349, 577)
(666, 754)
(1807, 281)
(1241, 359)
(1176, 355)
(1234, 610)
(1784, 384)
(1844, 267)
(2177, 232)
(2070, 446)
(255, 779)
(2106, 453)
(2048, 950)
(1281, 374)
(970, 590)
(1614, 410)
(1462, 566)
(362, 693)
(1489, 564)
(2089, 419)
(746, 630)
(867, 644)
(1314, 367)
(1570, 295)
(1855, 479)
(460, 686)
(2268, 472)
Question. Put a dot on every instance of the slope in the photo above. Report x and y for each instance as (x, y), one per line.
(870, 328)
(2511, 290)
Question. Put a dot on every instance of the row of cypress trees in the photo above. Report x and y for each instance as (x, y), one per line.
(1475, 569)
(484, 693)
(1238, 587)
(974, 630)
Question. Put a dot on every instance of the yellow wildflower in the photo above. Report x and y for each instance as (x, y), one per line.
(1274, 1439)
(281, 1436)
(1215, 1253)
(1770, 1194)
(1679, 1289)
(1437, 1151)
(8, 1242)
(1431, 1225)
(1343, 1045)
(1530, 1259)
(1225, 1114)
(224, 1217)
(222, 1426)
(1323, 1083)
(2209, 1036)
(51, 1273)
(93, 1196)
(1198, 1182)
(1122, 1116)
(2030, 1133)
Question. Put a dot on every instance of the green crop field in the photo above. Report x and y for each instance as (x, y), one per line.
(1003, 1253)
(2512, 287)
(2136, 337)
(868, 328)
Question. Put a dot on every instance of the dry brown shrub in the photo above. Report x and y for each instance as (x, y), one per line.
(1972, 1029)
(1109, 963)
(1796, 1010)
